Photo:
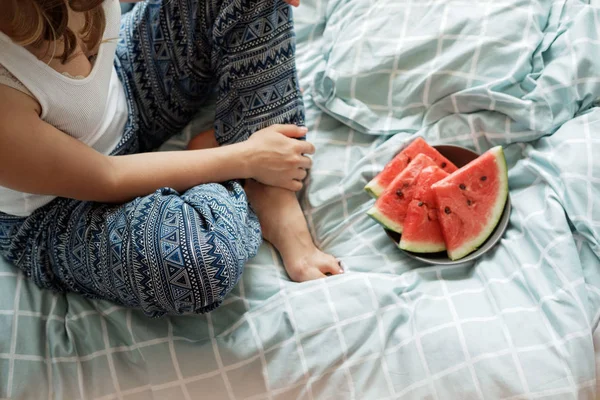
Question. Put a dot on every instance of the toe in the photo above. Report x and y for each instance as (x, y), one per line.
(312, 274)
(303, 273)
(332, 267)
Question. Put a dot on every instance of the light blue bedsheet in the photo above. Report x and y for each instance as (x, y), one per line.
(518, 323)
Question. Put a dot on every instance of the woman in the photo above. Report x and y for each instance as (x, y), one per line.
(85, 96)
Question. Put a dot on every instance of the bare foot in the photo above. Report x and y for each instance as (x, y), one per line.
(283, 225)
(204, 140)
(309, 264)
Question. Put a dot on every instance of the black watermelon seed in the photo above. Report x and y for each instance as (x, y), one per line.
(420, 204)
(447, 210)
(408, 160)
(483, 178)
(462, 186)
(399, 193)
(444, 165)
(468, 202)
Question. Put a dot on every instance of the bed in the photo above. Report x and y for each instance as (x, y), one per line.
(519, 323)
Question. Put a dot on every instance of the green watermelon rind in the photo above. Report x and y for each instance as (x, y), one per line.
(384, 221)
(374, 189)
(421, 247)
(497, 210)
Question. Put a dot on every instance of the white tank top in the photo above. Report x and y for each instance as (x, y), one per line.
(92, 109)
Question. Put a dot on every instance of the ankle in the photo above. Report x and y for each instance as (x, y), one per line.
(281, 217)
(290, 240)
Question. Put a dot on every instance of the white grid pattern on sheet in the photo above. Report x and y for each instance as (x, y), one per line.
(324, 286)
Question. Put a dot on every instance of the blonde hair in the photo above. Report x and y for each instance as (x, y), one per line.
(34, 22)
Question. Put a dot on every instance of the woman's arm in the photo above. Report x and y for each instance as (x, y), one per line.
(37, 158)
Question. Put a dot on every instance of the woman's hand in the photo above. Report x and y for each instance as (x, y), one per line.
(276, 157)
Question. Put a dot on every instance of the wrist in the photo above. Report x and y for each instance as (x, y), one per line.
(242, 157)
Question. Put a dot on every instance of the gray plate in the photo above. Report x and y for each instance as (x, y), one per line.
(460, 156)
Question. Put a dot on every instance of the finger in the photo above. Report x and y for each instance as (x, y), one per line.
(292, 131)
(293, 185)
(305, 162)
(306, 147)
(300, 174)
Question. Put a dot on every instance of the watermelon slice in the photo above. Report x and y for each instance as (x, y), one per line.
(418, 146)
(390, 208)
(422, 232)
(470, 202)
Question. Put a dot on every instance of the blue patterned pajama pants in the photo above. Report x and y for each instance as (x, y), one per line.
(170, 252)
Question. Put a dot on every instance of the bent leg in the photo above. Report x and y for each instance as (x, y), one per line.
(164, 253)
(258, 87)
(252, 48)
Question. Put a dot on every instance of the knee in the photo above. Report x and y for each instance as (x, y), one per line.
(202, 239)
(194, 270)
(197, 285)
(203, 282)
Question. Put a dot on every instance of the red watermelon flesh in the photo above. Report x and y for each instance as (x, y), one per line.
(422, 232)
(471, 201)
(418, 146)
(390, 208)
